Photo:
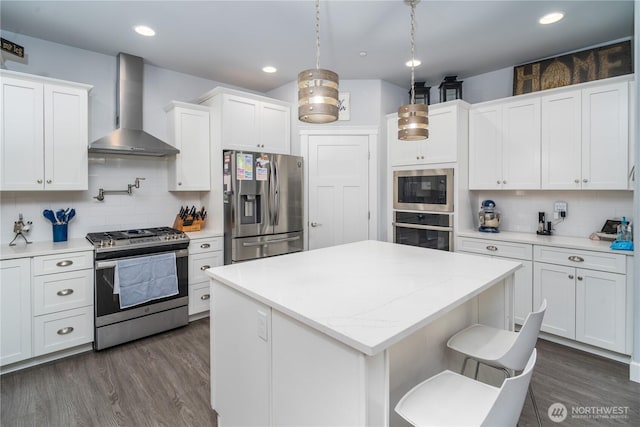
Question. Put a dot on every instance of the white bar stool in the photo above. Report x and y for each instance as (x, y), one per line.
(451, 399)
(499, 348)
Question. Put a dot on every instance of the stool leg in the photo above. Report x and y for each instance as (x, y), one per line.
(535, 406)
(477, 368)
(464, 365)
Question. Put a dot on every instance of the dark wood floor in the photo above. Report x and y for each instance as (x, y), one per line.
(164, 381)
(159, 381)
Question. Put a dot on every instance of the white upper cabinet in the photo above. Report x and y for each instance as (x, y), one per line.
(250, 122)
(569, 138)
(44, 134)
(562, 141)
(605, 137)
(585, 138)
(504, 145)
(189, 132)
(447, 134)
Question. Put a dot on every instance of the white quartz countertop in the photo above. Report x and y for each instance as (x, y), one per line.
(203, 234)
(22, 250)
(368, 295)
(558, 241)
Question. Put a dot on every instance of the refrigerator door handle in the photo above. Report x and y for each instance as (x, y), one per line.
(270, 198)
(268, 242)
(276, 194)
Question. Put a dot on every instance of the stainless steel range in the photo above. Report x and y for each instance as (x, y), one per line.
(141, 283)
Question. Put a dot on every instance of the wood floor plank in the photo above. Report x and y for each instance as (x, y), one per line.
(164, 381)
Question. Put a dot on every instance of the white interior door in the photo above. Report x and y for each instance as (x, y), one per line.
(338, 189)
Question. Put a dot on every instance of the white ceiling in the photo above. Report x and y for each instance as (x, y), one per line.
(230, 41)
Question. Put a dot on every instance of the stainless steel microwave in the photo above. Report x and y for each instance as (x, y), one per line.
(423, 190)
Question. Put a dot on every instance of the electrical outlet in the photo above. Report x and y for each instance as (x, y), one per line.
(560, 210)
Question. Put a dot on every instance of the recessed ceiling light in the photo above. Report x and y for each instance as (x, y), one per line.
(363, 53)
(551, 18)
(269, 69)
(416, 62)
(144, 30)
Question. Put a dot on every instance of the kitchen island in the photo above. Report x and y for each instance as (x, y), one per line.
(336, 336)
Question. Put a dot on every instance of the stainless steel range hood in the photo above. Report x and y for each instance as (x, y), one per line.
(129, 138)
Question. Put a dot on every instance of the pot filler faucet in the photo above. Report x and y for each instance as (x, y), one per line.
(130, 187)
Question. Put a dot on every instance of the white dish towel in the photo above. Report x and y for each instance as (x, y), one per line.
(143, 279)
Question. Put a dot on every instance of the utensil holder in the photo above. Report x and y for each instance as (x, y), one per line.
(60, 232)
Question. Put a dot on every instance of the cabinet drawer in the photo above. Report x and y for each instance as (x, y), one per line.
(199, 262)
(602, 261)
(494, 247)
(205, 245)
(62, 291)
(66, 329)
(62, 262)
(199, 298)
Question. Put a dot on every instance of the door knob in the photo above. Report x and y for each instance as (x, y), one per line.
(315, 224)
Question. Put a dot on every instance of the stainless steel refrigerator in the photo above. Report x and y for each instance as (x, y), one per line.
(263, 205)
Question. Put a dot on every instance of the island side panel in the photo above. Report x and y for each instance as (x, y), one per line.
(317, 380)
(240, 358)
(496, 305)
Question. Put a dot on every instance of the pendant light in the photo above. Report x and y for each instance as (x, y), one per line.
(317, 89)
(413, 122)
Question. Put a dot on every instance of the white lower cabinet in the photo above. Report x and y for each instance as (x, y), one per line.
(15, 310)
(587, 292)
(522, 279)
(204, 253)
(556, 283)
(46, 304)
(62, 330)
(62, 301)
(600, 309)
(584, 304)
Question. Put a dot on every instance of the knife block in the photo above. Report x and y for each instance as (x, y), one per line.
(195, 224)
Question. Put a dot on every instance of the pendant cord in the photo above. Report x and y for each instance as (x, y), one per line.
(413, 62)
(317, 34)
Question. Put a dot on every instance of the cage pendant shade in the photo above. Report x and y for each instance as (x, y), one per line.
(413, 123)
(318, 96)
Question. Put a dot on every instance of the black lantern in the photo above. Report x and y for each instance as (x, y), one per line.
(422, 93)
(450, 88)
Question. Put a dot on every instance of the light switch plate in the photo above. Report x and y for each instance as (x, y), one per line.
(263, 325)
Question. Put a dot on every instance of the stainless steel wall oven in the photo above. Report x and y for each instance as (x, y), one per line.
(115, 325)
(427, 230)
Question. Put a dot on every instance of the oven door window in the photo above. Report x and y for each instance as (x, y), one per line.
(424, 238)
(108, 303)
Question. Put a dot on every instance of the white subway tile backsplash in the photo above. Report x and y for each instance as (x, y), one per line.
(151, 205)
(586, 213)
